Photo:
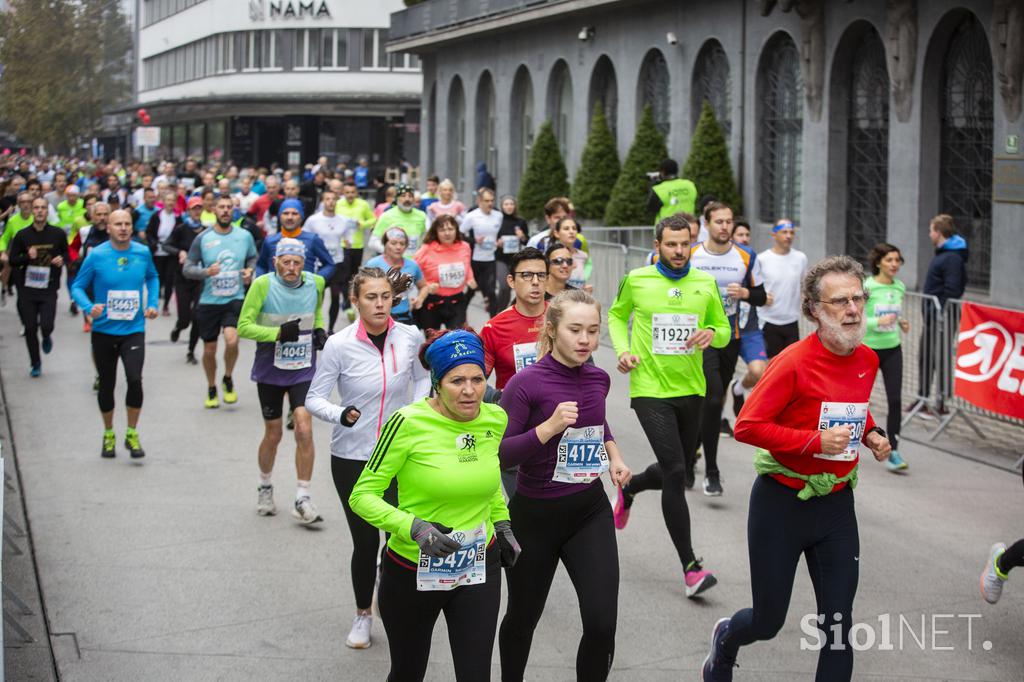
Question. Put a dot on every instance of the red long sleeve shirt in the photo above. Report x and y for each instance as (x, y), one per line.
(502, 334)
(783, 412)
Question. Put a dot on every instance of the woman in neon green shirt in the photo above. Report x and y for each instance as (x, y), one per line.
(884, 324)
(450, 532)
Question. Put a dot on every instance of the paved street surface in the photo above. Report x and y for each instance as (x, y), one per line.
(163, 570)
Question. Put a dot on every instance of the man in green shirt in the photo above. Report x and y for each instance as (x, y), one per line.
(404, 215)
(71, 209)
(677, 314)
(673, 194)
(18, 221)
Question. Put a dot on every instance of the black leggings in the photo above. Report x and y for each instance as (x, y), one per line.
(449, 311)
(890, 361)
(719, 368)
(670, 425)
(471, 612)
(337, 285)
(131, 349)
(778, 336)
(483, 273)
(365, 538)
(578, 530)
(187, 293)
(166, 267)
(353, 259)
(780, 528)
(37, 315)
(1011, 558)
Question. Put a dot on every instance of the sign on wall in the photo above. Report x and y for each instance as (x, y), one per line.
(261, 10)
(147, 136)
(1008, 179)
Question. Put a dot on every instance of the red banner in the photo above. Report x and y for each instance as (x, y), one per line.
(990, 359)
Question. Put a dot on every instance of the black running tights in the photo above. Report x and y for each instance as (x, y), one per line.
(890, 361)
(106, 350)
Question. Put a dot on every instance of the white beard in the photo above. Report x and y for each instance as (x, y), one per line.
(846, 339)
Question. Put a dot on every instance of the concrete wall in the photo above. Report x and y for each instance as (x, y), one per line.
(626, 32)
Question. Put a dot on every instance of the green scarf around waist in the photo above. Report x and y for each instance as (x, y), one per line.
(815, 485)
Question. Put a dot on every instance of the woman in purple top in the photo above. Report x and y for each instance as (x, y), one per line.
(558, 436)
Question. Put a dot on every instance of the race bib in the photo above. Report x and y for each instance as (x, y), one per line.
(839, 414)
(670, 332)
(451, 275)
(465, 566)
(292, 355)
(581, 455)
(524, 354)
(487, 246)
(414, 244)
(510, 244)
(730, 304)
(882, 310)
(225, 283)
(37, 276)
(744, 314)
(122, 305)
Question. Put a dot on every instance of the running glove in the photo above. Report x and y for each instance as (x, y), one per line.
(319, 338)
(350, 415)
(508, 546)
(432, 538)
(289, 332)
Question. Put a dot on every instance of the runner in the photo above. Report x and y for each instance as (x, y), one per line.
(481, 227)
(511, 239)
(158, 230)
(559, 437)
(186, 291)
(751, 339)
(807, 417)
(282, 313)
(737, 274)
(447, 203)
(374, 366)
(37, 255)
(884, 324)
(997, 569)
(565, 233)
(16, 222)
(290, 216)
(676, 310)
(409, 300)
(355, 208)
(405, 215)
(783, 269)
(335, 231)
(89, 237)
(223, 257)
(109, 288)
(451, 531)
(559, 270)
(445, 261)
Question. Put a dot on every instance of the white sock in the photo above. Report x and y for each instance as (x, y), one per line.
(302, 490)
(264, 479)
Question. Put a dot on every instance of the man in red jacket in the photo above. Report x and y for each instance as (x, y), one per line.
(807, 417)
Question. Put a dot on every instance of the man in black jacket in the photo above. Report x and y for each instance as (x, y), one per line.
(946, 279)
(37, 256)
(186, 291)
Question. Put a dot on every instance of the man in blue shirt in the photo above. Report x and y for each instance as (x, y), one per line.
(115, 273)
(290, 216)
(223, 257)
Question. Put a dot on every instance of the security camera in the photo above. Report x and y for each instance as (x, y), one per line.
(671, 38)
(585, 34)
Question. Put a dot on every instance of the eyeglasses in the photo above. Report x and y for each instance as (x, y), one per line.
(539, 276)
(561, 261)
(859, 300)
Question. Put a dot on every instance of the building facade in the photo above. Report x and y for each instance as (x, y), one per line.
(275, 81)
(860, 120)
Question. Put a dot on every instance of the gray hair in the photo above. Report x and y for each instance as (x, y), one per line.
(811, 289)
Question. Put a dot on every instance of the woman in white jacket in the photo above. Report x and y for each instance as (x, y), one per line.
(374, 365)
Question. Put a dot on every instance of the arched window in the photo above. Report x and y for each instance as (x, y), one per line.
(604, 88)
(432, 129)
(560, 105)
(867, 148)
(486, 124)
(652, 88)
(522, 124)
(780, 128)
(965, 175)
(712, 82)
(457, 133)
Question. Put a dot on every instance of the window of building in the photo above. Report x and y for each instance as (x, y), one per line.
(196, 140)
(405, 62)
(560, 106)
(652, 89)
(306, 50)
(457, 134)
(215, 140)
(486, 123)
(604, 90)
(334, 48)
(158, 10)
(375, 57)
(252, 50)
(522, 123)
(780, 130)
(712, 83)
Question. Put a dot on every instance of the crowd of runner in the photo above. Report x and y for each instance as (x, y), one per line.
(468, 478)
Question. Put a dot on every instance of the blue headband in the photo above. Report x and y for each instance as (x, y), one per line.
(458, 347)
(783, 226)
(291, 203)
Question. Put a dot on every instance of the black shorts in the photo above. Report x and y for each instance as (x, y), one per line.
(272, 398)
(212, 317)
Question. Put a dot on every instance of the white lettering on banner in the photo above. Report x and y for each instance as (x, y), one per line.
(1014, 363)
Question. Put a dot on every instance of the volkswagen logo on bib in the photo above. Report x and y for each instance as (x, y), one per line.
(459, 537)
(850, 409)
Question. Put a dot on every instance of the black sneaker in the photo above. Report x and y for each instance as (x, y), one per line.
(131, 441)
(109, 450)
(175, 334)
(190, 359)
(725, 429)
(737, 400)
(74, 308)
(712, 486)
(719, 664)
(690, 479)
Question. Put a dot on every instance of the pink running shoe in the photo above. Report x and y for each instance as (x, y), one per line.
(621, 511)
(698, 580)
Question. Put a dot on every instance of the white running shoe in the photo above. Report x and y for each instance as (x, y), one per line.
(305, 512)
(265, 503)
(359, 635)
(991, 581)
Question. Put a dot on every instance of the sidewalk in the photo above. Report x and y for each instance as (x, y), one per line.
(163, 570)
